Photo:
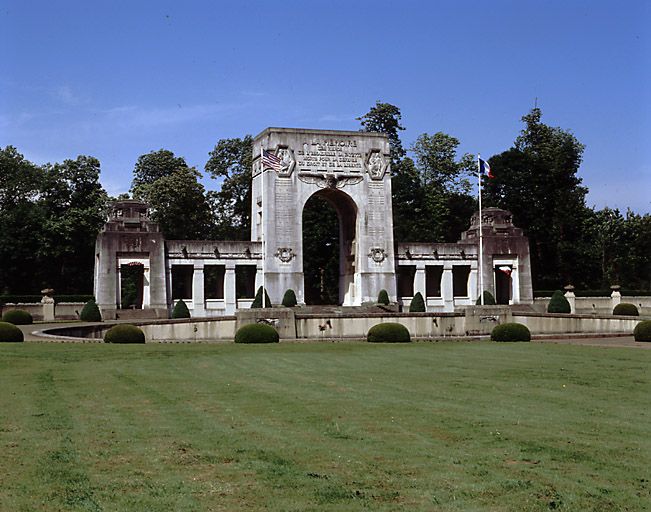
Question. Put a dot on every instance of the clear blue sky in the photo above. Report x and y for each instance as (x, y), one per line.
(116, 79)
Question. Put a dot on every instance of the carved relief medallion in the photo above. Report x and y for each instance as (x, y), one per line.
(376, 164)
(285, 254)
(377, 254)
(287, 161)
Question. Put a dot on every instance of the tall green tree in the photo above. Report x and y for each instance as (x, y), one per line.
(172, 189)
(620, 252)
(153, 166)
(21, 221)
(76, 205)
(445, 187)
(179, 204)
(537, 181)
(230, 161)
(50, 217)
(385, 118)
(431, 200)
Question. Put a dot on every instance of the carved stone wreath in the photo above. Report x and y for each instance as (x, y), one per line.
(377, 255)
(285, 254)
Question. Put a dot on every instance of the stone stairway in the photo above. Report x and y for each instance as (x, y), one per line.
(135, 314)
(332, 310)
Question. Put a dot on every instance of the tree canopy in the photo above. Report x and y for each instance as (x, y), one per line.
(153, 166)
(537, 181)
(231, 161)
(50, 214)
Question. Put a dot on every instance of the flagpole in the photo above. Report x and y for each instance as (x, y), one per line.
(481, 238)
(262, 219)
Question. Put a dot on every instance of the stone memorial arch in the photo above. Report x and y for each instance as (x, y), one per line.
(349, 170)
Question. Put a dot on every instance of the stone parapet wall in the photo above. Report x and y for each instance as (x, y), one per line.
(62, 310)
(598, 305)
(547, 323)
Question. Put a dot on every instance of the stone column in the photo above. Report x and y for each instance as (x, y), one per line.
(198, 295)
(420, 283)
(615, 296)
(229, 289)
(447, 291)
(515, 284)
(571, 298)
(258, 278)
(473, 284)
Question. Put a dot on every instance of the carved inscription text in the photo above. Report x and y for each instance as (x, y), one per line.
(330, 154)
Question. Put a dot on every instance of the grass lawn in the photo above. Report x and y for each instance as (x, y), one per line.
(425, 426)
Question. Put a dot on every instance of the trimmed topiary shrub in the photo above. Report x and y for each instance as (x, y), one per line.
(558, 303)
(642, 331)
(510, 332)
(389, 332)
(289, 299)
(180, 310)
(383, 298)
(626, 309)
(256, 333)
(257, 302)
(417, 304)
(17, 317)
(124, 333)
(489, 300)
(90, 312)
(9, 333)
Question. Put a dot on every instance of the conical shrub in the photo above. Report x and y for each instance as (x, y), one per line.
(257, 302)
(383, 298)
(90, 312)
(558, 303)
(289, 299)
(417, 304)
(180, 310)
(489, 300)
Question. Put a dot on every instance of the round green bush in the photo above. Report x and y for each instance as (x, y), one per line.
(9, 333)
(256, 333)
(626, 309)
(510, 332)
(383, 298)
(124, 333)
(257, 301)
(90, 312)
(489, 300)
(558, 303)
(17, 317)
(289, 299)
(180, 310)
(389, 332)
(642, 331)
(417, 304)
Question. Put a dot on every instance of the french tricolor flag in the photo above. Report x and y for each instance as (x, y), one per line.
(485, 169)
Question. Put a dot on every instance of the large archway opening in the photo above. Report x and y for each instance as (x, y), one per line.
(329, 240)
